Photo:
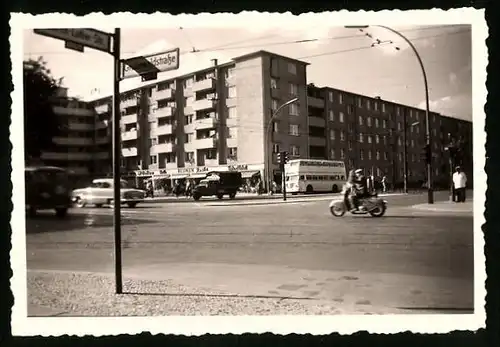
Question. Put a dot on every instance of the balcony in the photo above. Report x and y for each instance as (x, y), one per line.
(164, 94)
(73, 141)
(206, 143)
(232, 142)
(80, 126)
(164, 112)
(189, 128)
(316, 121)
(163, 148)
(203, 85)
(317, 141)
(128, 103)
(205, 123)
(73, 111)
(188, 91)
(101, 125)
(129, 152)
(66, 156)
(162, 130)
(129, 119)
(231, 102)
(203, 104)
(315, 102)
(188, 110)
(103, 108)
(129, 135)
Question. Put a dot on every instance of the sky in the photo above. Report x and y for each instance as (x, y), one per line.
(340, 57)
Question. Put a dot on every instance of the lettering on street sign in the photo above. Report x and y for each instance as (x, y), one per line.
(150, 64)
(83, 36)
(74, 46)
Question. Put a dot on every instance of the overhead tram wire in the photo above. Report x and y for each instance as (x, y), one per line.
(224, 47)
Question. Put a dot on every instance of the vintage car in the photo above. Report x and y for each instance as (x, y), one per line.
(47, 188)
(100, 192)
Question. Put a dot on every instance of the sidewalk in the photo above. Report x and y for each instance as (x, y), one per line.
(447, 206)
(225, 289)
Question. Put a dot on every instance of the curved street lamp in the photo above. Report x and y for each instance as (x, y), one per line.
(430, 193)
(269, 142)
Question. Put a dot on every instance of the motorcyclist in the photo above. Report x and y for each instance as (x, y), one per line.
(348, 188)
(360, 189)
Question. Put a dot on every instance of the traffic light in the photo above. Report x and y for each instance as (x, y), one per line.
(286, 157)
(279, 157)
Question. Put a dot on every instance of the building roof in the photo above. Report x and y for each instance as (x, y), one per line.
(263, 52)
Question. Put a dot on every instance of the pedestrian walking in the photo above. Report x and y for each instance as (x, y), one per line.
(384, 184)
(459, 184)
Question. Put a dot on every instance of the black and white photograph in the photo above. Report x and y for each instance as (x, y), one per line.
(252, 172)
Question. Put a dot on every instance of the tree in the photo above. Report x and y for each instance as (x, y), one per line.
(41, 123)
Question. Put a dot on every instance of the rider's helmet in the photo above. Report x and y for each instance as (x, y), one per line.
(358, 171)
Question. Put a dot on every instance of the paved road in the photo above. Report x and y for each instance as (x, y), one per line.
(409, 258)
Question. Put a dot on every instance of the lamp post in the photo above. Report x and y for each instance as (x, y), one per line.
(452, 149)
(269, 142)
(430, 193)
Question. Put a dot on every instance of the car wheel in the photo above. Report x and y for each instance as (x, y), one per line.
(80, 203)
(220, 196)
(61, 212)
(335, 189)
(309, 189)
(132, 204)
(196, 197)
(232, 195)
(98, 205)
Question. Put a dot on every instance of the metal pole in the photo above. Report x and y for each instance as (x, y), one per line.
(283, 178)
(405, 155)
(116, 162)
(452, 196)
(430, 192)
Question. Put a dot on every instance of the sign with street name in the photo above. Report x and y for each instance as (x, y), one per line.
(149, 66)
(91, 38)
(74, 46)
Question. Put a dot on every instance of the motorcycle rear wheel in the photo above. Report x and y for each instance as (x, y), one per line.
(379, 211)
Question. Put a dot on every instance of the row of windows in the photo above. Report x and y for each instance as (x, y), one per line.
(189, 157)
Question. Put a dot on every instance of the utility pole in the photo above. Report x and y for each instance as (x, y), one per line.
(405, 154)
(116, 162)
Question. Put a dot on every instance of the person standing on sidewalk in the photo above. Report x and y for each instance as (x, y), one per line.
(459, 184)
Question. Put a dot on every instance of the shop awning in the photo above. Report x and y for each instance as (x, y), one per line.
(249, 174)
(178, 176)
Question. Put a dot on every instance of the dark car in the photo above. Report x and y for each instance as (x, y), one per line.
(47, 188)
(218, 184)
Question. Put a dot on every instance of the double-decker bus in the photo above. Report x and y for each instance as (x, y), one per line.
(312, 175)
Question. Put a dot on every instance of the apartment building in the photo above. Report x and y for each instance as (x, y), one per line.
(225, 118)
(214, 119)
(82, 145)
(381, 136)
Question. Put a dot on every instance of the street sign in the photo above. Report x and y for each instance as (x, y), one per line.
(149, 65)
(92, 38)
(74, 46)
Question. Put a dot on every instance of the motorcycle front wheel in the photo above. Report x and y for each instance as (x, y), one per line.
(338, 210)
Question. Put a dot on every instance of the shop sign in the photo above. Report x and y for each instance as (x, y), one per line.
(190, 170)
(146, 173)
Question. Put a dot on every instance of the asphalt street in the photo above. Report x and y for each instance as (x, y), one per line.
(409, 258)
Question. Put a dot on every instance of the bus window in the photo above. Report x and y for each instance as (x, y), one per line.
(302, 177)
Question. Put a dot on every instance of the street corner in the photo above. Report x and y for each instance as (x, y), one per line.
(446, 207)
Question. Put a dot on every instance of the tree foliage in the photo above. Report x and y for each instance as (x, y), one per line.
(40, 122)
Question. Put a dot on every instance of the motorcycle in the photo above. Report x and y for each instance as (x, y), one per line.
(372, 205)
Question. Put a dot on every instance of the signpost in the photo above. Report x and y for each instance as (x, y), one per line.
(145, 66)
(92, 38)
(150, 65)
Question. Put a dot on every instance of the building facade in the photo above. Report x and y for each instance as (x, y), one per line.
(226, 118)
(83, 142)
